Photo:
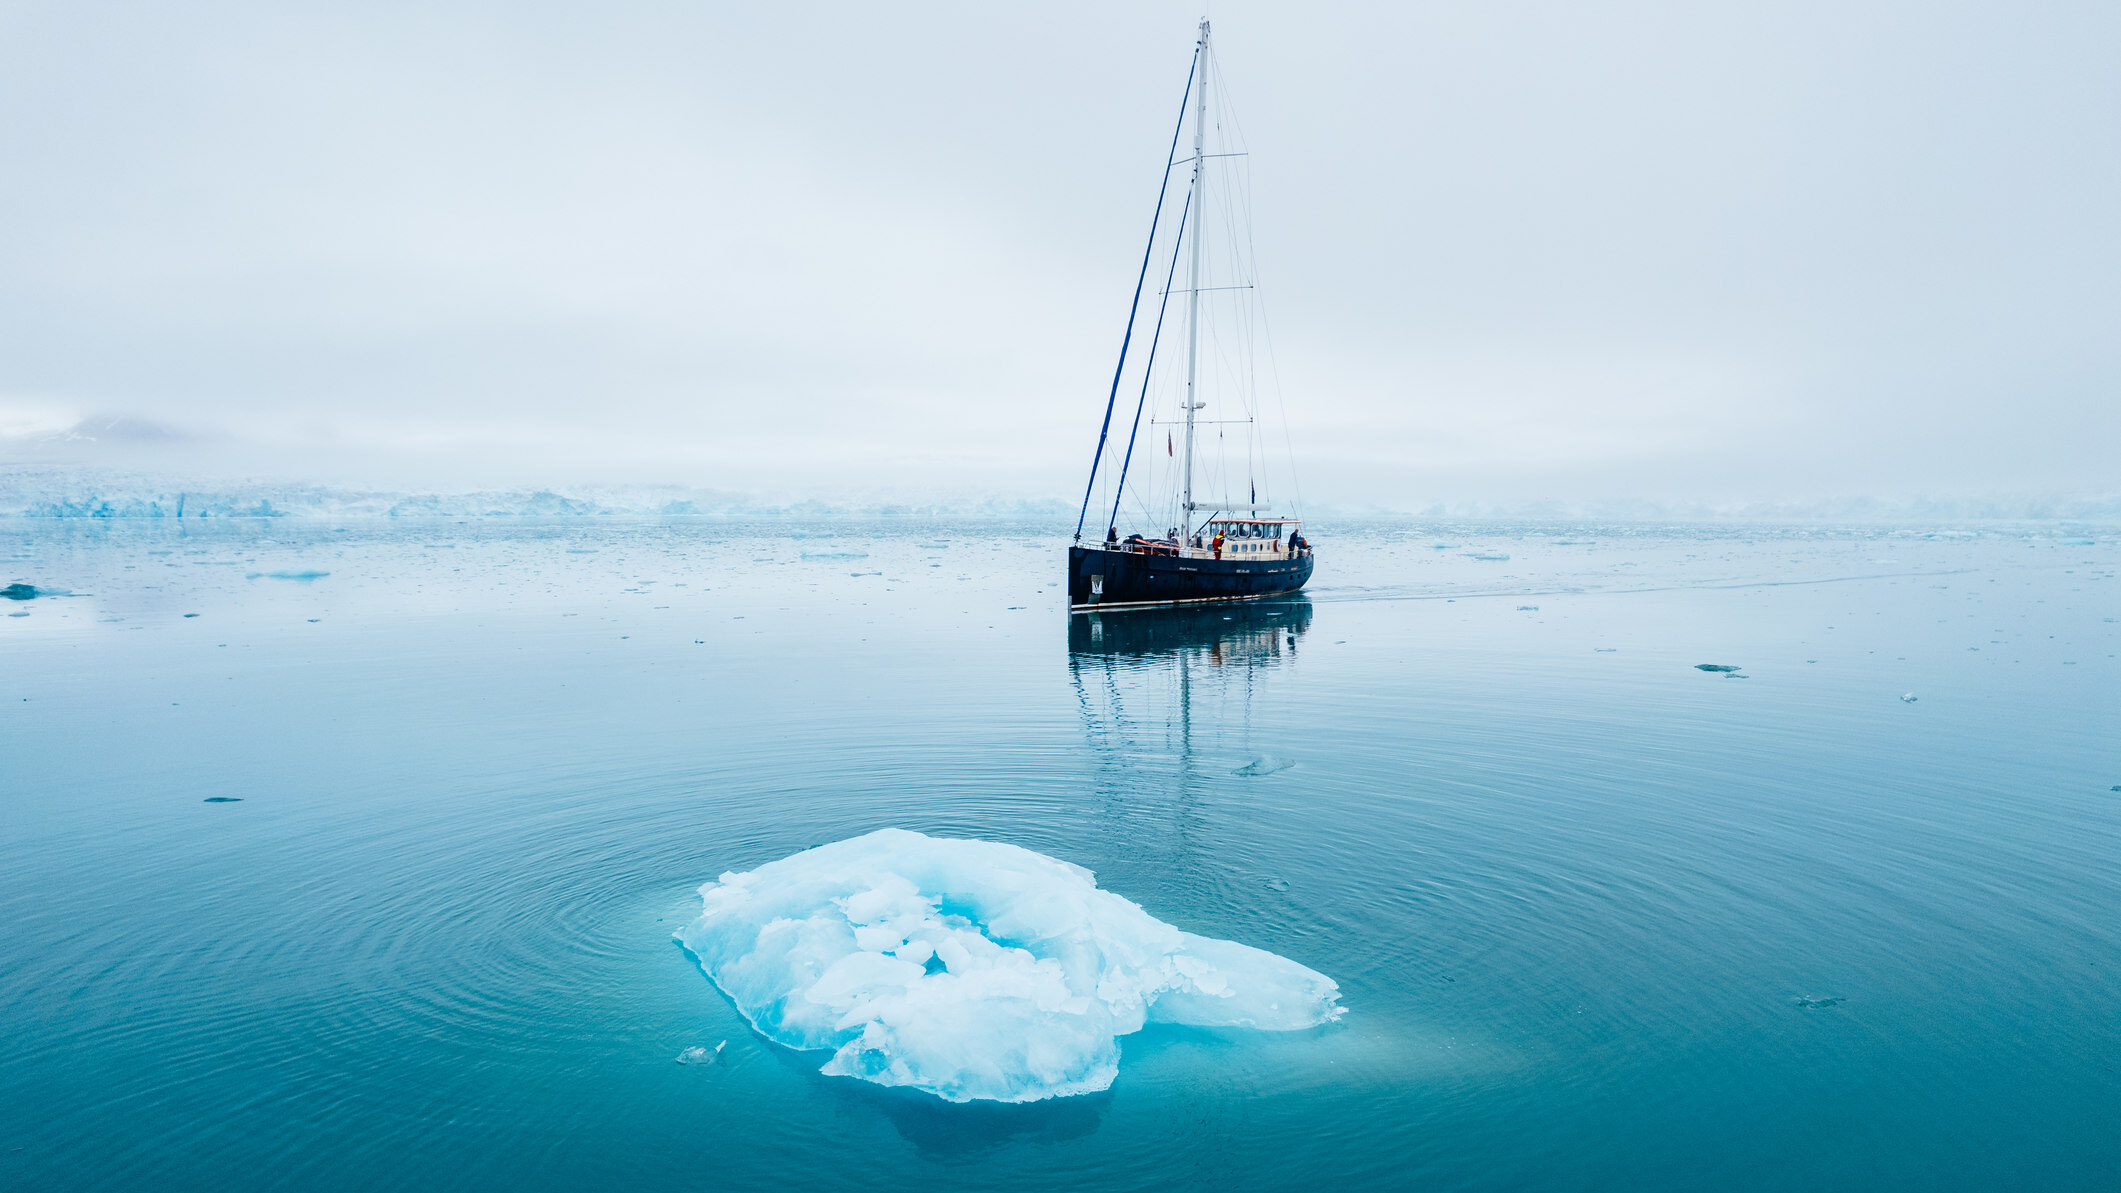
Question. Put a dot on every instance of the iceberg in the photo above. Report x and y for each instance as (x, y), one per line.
(974, 970)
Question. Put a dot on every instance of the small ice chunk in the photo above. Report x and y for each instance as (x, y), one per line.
(973, 970)
(1907, 697)
(1265, 764)
(697, 1055)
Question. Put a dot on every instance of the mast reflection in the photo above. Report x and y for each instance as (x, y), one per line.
(1168, 698)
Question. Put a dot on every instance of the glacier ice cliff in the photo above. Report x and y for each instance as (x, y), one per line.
(973, 970)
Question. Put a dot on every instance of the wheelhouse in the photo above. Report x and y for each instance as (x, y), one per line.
(1248, 538)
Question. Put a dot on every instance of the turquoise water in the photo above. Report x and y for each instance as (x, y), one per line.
(1602, 919)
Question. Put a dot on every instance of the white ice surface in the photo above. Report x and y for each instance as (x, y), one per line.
(974, 970)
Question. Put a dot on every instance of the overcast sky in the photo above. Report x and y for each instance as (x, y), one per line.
(1699, 250)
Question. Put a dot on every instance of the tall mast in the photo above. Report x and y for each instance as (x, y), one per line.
(1200, 185)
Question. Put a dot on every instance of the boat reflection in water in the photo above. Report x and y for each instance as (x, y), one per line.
(1249, 633)
(1179, 712)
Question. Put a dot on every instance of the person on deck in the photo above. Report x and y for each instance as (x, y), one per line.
(1218, 544)
(1112, 536)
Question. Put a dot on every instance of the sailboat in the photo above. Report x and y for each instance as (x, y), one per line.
(1217, 548)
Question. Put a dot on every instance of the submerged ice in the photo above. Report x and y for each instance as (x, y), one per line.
(974, 970)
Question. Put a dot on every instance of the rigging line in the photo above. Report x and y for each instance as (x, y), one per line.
(1135, 308)
(1281, 401)
(1226, 111)
(1149, 370)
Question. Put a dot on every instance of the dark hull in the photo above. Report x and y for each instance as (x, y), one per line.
(1099, 579)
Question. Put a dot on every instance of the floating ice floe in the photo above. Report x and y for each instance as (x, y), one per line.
(1265, 764)
(974, 970)
(1908, 697)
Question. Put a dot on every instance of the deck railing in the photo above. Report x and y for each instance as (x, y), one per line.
(1206, 552)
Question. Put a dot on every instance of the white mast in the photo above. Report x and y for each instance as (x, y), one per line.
(1200, 186)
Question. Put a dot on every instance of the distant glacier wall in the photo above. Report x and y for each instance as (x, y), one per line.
(43, 491)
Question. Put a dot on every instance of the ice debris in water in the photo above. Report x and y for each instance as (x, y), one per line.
(1265, 764)
(1907, 697)
(974, 970)
(697, 1055)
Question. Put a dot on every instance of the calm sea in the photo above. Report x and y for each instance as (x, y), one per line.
(1848, 917)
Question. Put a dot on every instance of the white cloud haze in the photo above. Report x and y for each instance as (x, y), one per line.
(1510, 250)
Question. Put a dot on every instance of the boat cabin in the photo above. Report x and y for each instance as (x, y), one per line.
(1247, 538)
